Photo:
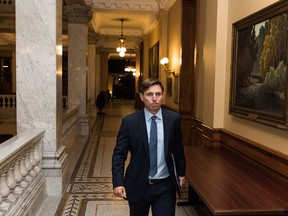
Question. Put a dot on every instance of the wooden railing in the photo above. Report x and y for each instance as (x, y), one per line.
(21, 175)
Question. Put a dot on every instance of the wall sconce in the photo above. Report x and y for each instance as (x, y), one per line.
(164, 65)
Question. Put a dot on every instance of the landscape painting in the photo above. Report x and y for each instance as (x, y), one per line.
(259, 67)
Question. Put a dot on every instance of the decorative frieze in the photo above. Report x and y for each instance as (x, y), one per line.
(165, 4)
(126, 31)
(147, 5)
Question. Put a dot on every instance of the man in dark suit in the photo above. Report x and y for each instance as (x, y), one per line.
(150, 178)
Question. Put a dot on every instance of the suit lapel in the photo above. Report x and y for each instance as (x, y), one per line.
(165, 128)
(143, 130)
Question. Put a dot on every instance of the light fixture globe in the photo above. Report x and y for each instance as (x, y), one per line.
(164, 61)
(121, 54)
(121, 49)
(164, 66)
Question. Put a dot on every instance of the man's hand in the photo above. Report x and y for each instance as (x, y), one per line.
(181, 180)
(120, 192)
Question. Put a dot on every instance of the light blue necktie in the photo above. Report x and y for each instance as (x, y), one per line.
(153, 147)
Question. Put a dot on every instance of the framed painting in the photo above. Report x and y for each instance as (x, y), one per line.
(259, 66)
(154, 61)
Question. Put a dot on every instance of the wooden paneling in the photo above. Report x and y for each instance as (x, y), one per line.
(188, 77)
(203, 135)
(229, 185)
(186, 128)
(187, 73)
(270, 161)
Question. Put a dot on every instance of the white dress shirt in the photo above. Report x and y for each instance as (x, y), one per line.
(162, 171)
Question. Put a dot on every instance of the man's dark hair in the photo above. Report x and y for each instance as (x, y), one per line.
(149, 82)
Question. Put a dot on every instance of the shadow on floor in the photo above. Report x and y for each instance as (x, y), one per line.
(5, 137)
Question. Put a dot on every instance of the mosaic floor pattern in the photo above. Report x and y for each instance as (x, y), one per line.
(90, 189)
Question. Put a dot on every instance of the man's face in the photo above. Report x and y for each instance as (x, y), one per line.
(152, 98)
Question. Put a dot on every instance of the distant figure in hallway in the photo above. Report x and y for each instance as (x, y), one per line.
(138, 105)
(153, 137)
(100, 102)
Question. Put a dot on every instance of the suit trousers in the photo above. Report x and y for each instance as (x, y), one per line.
(161, 197)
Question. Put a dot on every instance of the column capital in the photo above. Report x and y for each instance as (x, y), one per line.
(93, 38)
(161, 14)
(78, 13)
(189, 3)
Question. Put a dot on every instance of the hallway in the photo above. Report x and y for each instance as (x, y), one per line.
(90, 189)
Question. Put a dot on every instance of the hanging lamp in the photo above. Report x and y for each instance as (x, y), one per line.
(121, 49)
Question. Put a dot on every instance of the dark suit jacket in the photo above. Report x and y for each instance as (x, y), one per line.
(132, 137)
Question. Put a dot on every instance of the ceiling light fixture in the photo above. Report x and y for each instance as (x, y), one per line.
(130, 69)
(121, 46)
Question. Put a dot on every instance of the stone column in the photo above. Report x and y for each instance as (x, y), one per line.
(92, 39)
(78, 18)
(39, 75)
(14, 69)
(145, 57)
(104, 71)
(98, 70)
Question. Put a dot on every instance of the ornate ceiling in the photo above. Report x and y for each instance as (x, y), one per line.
(140, 16)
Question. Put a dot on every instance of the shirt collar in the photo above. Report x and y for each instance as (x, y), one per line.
(148, 115)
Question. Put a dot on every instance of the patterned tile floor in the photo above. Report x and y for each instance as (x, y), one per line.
(90, 189)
